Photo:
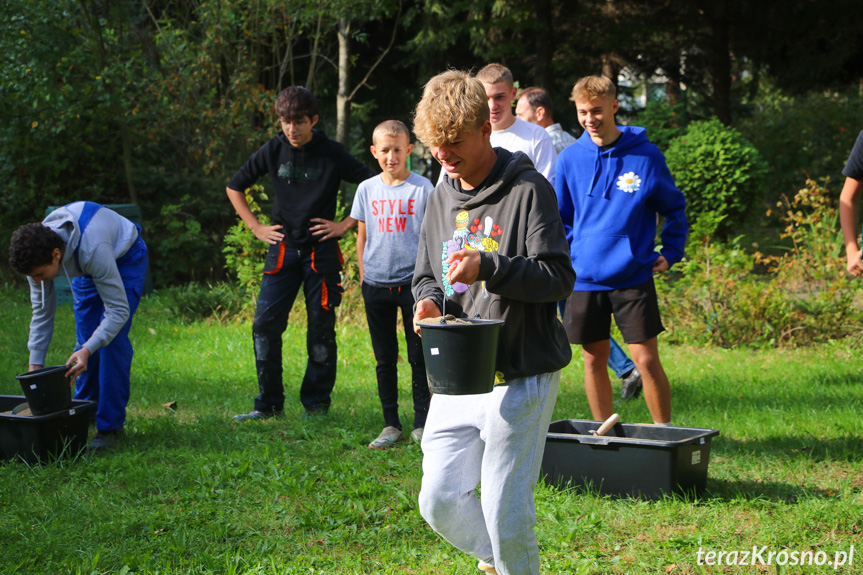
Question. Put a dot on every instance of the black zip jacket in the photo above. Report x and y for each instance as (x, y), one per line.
(306, 181)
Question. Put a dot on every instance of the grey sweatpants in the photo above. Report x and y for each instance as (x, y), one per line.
(496, 439)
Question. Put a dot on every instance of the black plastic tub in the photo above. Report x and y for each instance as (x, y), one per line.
(460, 357)
(47, 389)
(637, 460)
(40, 437)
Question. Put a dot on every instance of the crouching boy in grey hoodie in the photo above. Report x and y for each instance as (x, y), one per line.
(103, 255)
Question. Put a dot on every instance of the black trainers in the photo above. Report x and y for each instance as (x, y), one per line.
(255, 415)
(317, 411)
(106, 439)
(630, 386)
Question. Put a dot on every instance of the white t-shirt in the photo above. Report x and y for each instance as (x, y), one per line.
(531, 139)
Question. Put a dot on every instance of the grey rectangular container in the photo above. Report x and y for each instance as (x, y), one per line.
(637, 460)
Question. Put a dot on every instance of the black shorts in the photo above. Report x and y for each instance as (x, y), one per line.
(587, 317)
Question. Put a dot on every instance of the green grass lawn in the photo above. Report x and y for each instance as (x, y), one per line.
(191, 492)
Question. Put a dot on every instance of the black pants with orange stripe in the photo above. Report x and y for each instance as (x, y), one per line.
(317, 269)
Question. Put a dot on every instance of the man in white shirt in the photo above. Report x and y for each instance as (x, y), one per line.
(535, 106)
(509, 132)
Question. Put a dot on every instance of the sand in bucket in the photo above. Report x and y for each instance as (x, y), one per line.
(460, 354)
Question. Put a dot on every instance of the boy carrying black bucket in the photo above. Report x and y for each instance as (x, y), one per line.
(491, 240)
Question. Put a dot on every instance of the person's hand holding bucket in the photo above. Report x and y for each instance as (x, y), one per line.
(426, 308)
(77, 364)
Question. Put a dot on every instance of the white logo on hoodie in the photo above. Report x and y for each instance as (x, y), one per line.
(629, 182)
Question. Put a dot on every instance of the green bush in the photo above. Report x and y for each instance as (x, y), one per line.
(701, 296)
(195, 301)
(715, 296)
(244, 253)
(807, 136)
(719, 171)
(184, 238)
(663, 122)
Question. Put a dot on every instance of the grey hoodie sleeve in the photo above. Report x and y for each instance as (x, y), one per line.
(102, 267)
(42, 321)
(424, 285)
(545, 274)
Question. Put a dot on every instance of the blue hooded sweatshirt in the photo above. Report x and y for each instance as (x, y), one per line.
(609, 201)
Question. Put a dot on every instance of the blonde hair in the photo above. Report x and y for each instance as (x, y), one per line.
(494, 73)
(392, 128)
(452, 101)
(593, 88)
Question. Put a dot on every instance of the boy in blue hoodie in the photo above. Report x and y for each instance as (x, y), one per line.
(612, 185)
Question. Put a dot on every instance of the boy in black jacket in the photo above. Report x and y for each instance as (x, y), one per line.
(305, 168)
(491, 229)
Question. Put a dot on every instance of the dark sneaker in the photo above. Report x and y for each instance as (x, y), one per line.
(630, 385)
(105, 439)
(317, 411)
(255, 415)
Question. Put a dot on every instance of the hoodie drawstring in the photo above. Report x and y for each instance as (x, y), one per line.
(597, 165)
(609, 175)
(71, 289)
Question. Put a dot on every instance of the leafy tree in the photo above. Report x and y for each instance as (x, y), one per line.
(68, 127)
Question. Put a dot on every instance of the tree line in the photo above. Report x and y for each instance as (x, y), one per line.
(157, 102)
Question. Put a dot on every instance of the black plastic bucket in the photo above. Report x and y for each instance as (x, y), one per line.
(47, 389)
(460, 357)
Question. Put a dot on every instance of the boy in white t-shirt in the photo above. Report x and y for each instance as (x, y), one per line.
(389, 209)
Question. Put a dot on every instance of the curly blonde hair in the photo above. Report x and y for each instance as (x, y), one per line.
(593, 88)
(452, 101)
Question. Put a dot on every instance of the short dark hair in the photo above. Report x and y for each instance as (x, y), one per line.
(295, 102)
(32, 246)
(537, 97)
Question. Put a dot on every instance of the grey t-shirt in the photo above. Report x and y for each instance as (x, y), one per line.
(393, 216)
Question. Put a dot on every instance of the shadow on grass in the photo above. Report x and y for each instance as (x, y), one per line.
(724, 491)
(717, 491)
(791, 447)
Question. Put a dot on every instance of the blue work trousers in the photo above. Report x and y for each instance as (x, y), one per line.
(108, 376)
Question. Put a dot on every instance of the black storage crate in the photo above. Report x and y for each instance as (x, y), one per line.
(649, 461)
(44, 436)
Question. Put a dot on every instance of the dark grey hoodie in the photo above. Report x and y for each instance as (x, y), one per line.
(513, 221)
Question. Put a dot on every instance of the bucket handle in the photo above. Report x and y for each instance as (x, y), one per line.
(475, 313)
